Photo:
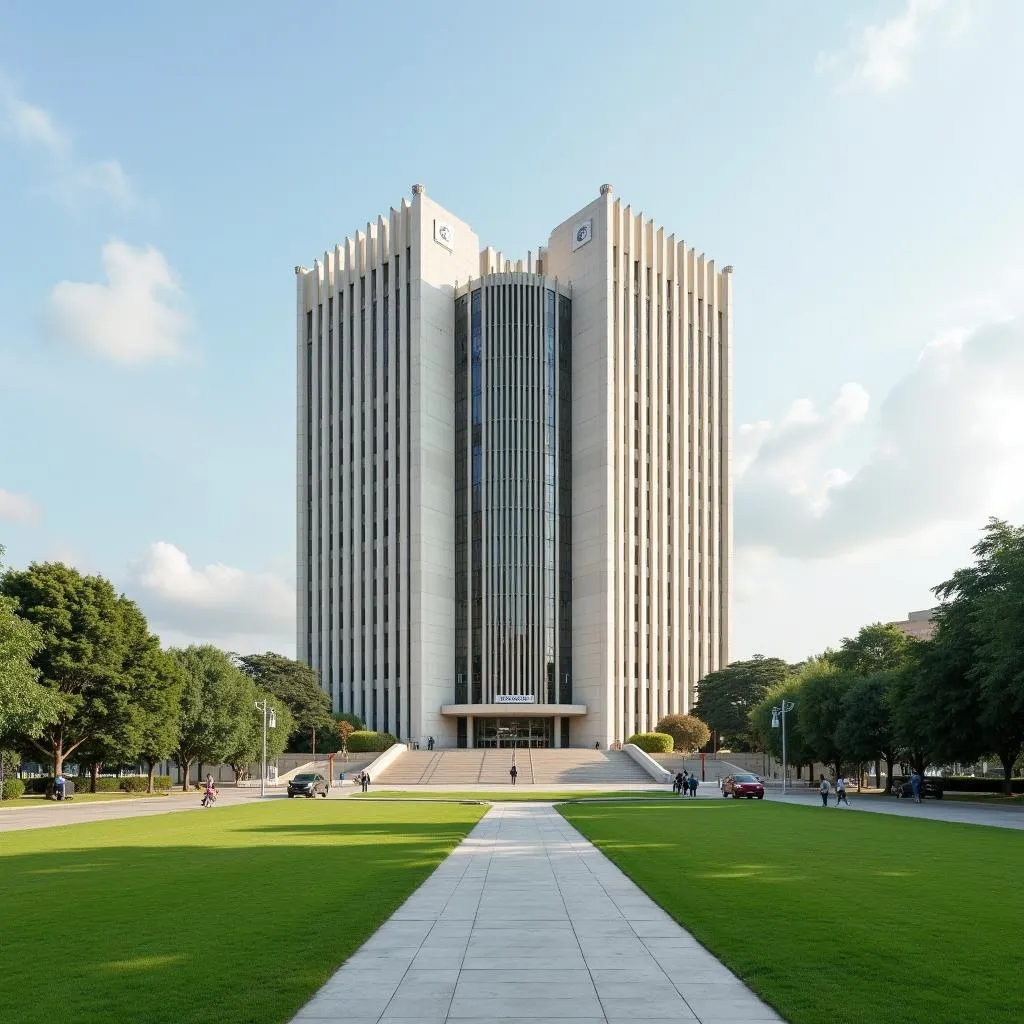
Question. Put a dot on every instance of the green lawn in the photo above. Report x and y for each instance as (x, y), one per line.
(38, 800)
(231, 916)
(832, 916)
(515, 794)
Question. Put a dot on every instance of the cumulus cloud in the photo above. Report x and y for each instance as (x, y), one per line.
(134, 318)
(71, 179)
(18, 508)
(946, 447)
(218, 604)
(879, 56)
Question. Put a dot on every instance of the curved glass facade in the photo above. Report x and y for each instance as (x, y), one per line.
(513, 497)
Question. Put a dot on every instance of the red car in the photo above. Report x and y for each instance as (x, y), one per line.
(743, 785)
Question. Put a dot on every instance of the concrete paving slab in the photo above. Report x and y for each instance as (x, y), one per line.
(528, 922)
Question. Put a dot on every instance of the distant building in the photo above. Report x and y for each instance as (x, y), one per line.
(919, 625)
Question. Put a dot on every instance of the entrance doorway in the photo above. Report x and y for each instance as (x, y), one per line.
(514, 732)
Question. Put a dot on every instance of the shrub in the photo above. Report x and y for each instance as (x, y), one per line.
(104, 784)
(140, 783)
(652, 742)
(13, 789)
(687, 732)
(976, 784)
(362, 742)
(38, 785)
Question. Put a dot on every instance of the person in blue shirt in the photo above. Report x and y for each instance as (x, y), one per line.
(915, 786)
(58, 785)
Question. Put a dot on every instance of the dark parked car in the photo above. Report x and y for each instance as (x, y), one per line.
(308, 784)
(749, 786)
(901, 788)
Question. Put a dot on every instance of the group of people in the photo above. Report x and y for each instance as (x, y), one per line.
(825, 787)
(209, 792)
(684, 784)
(363, 778)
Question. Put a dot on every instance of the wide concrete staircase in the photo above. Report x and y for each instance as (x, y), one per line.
(491, 768)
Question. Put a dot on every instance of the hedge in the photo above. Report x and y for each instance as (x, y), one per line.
(974, 784)
(104, 784)
(13, 789)
(653, 742)
(140, 783)
(363, 742)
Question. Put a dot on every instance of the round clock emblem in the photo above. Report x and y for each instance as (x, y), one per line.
(581, 234)
(444, 233)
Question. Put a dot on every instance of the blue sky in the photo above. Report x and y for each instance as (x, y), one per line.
(162, 169)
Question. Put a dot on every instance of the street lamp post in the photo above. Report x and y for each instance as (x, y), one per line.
(269, 720)
(779, 711)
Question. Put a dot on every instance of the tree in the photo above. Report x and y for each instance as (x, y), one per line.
(821, 698)
(725, 698)
(327, 741)
(865, 730)
(217, 701)
(84, 657)
(977, 642)
(294, 683)
(248, 746)
(798, 751)
(876, 648)
(345, 729)
(688, 733)
(25, 705)
(158, 709)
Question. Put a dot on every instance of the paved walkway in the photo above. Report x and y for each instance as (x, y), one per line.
(965, 813)
(49, 813)
(527, 921)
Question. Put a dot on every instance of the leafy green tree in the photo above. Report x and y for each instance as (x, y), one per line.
(866, 730)
(725, 698)
(978, 646)
(85, 658)
(328, 741)
(297, 685)
(879, 647)
(25, 705)
(158, 710)
(248, 746)
(688, 732)
(821, 697)
(798, 751)
(216, 702)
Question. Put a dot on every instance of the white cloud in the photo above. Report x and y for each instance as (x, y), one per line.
(879, 56)
(134, 318)
(18, 508)
(71, 180)
(234, 609)
(946, 447)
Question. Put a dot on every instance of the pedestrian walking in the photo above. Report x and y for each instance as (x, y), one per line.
(915, 786)
(841, 792)
(677, 784)
(513, 772)
(365, 781)
(209, 792)
(430, 743)
(823, 789)
(693, 785)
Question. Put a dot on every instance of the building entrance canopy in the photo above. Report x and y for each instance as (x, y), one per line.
(514, 710)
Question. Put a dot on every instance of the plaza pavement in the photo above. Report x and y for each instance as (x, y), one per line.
(964, 813)
(527, 921)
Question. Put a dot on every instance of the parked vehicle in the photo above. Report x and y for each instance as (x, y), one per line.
(901, 788)
(749, 786)
(308, 784)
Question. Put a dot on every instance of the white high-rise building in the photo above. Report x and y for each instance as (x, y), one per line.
(513, 487)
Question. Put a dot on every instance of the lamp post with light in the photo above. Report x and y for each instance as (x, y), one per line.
(269, 721)
(779, 712)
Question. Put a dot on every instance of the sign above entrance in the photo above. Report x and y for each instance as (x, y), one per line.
(514, 698)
